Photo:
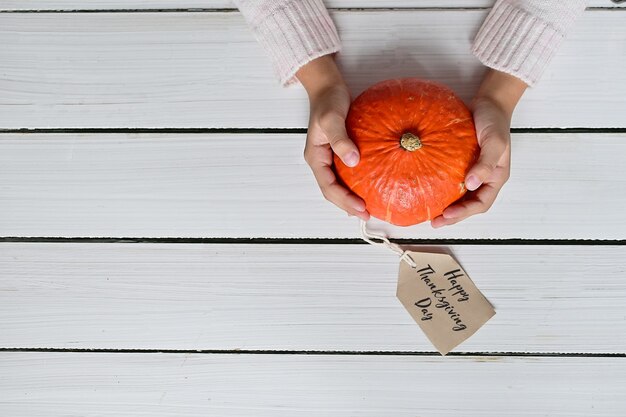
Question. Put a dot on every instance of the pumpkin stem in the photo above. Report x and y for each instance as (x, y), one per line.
(410, 142)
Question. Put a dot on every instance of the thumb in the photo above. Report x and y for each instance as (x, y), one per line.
(493, 146)
(335, 130)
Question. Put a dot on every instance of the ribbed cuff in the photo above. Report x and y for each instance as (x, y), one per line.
(513, 41)
(294, 33)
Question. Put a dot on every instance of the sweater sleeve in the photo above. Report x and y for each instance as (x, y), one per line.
(292, 32)
(520, 37)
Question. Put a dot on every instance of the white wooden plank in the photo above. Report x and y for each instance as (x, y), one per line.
(205, 69)
(218, 4)
(298, 297)
(570, 186)
(120, 385)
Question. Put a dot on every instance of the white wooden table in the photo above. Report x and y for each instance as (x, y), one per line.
(165, 251)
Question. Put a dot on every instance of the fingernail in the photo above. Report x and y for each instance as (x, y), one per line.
(359, 207)
(351, 159)
(472, 183)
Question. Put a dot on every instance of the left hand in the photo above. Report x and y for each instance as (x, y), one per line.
(492, 109)
(485, 179)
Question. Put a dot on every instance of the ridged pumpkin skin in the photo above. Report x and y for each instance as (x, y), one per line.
(400, 186)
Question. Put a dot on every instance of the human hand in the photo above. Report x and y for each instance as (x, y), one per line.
(329, 100)
(492, 109)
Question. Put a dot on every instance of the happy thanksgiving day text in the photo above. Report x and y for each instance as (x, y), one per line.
(443, 298)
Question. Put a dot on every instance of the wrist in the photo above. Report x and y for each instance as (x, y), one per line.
(319, 75)
(503, 89)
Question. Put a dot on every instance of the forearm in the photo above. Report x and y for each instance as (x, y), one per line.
(520, 37)
(319, 75)
(503, 89)
(292, 32)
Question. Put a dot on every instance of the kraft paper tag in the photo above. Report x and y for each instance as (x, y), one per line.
(442, 299)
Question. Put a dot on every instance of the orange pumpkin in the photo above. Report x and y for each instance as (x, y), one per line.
(417, 142)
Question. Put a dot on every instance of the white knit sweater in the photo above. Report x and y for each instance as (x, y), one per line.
(519, 37)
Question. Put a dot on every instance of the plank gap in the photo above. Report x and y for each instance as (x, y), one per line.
(234, 10)
(315, 241)
(322, 352)
(273, 130)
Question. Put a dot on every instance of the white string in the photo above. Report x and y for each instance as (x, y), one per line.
(369, 238)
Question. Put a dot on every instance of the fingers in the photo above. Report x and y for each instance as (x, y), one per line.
(493, 149)
(334, 127)
(319, 158)
(339, 195)
(327, 134)
(479, 202)
(345, 200)
(485, 179)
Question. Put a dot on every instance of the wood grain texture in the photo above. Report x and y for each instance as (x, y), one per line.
(88, 384)
(205, 69)
(218, 4)
(563, 186)
(298, 297)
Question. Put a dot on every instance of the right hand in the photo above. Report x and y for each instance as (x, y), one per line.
(330, 101)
